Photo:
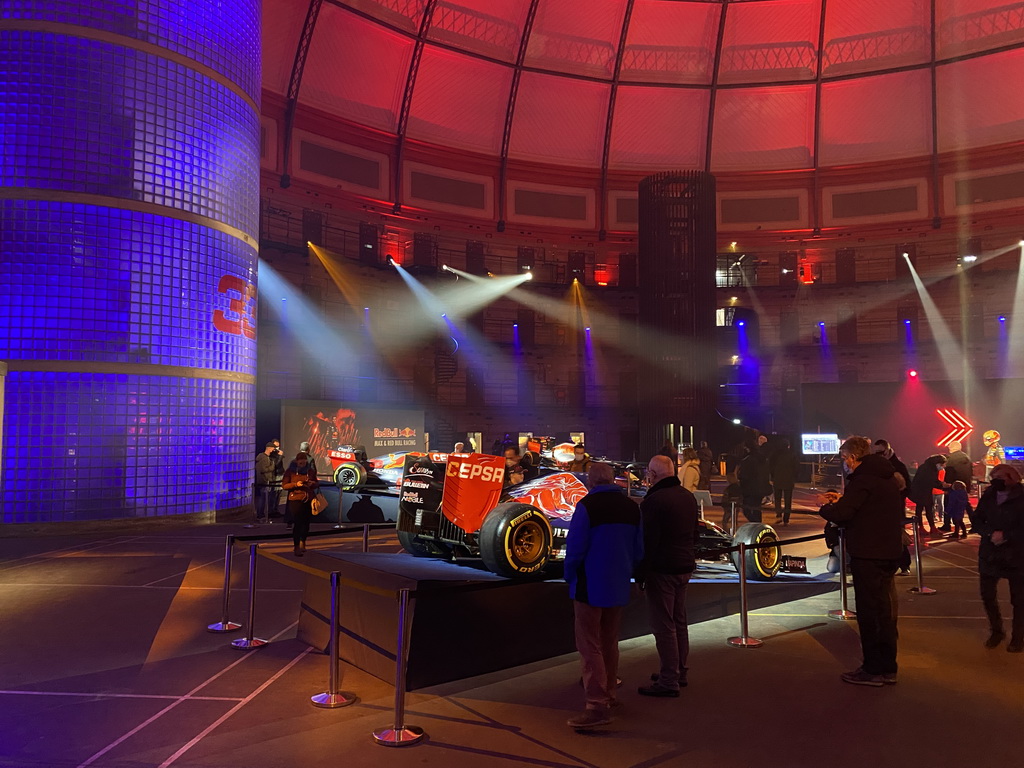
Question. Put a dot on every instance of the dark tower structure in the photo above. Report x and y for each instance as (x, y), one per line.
(676, 388)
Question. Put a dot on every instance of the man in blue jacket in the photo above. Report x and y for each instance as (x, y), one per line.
(604, 546)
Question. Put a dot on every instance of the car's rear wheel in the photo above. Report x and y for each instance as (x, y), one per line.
(350, 476)
(759, 564)
(515, 540)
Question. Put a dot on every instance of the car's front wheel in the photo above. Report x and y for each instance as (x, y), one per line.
(759, 564)
(515, 540)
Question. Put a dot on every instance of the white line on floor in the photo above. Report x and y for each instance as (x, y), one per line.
(185, 572)
(934, 556)
(62, 549)
(823, 616)
(948, 551)
(82, 694)
(169, 707)
(212, 726)
(66, 551)
(141, 586)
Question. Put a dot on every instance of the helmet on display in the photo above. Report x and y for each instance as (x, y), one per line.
(992, 436)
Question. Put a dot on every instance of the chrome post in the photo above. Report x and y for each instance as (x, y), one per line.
(843, 614)
(249, 642)
(733, 520)
(333, 698)
(744, 640)
(920, 589)
(400, 735)
(226, 625)
(366, 537)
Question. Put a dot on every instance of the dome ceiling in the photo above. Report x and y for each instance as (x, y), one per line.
(622, 86)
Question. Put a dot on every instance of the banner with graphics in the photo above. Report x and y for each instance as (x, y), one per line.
(328, 424)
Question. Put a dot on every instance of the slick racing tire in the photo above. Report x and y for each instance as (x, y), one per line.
(415, 546)
(760, 564)
(350, 476)
(515, 540)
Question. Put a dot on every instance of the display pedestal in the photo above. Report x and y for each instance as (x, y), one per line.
(466, 621)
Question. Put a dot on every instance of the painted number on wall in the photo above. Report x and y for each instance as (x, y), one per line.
(239, 318)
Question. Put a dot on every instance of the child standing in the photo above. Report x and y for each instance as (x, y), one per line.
(956, 505)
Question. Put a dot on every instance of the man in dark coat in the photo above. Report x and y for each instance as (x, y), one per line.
(754, 483)
(958, 467)
(871, 513)
(783, 467)
(999, 520)
(922, 488)
(671, 530)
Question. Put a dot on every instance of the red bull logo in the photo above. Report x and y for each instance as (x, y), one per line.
(393, 432)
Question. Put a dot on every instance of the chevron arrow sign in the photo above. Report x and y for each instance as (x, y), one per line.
(959, 425)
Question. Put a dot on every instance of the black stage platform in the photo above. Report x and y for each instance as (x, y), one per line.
(466, 621)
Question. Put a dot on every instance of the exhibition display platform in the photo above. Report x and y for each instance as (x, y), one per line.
(465, 621)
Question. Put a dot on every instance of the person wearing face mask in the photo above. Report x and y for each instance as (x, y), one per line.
(580, 459)
(999, 520)
(872, 513)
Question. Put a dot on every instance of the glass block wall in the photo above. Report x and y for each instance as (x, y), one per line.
(129, 157)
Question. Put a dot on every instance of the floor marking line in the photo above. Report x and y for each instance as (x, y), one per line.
(83, 694)
(169, 707)
(823, 616)
(141, 586)
(223, 718)
(186, 572)
(62, 549)
(83, 548)
(947, 551)
(934, 556)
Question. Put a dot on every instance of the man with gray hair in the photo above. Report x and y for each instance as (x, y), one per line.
(671, 531)
(958, 467)
(871, 512)
(604, 545)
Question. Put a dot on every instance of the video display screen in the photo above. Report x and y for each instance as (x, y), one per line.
(818, 444)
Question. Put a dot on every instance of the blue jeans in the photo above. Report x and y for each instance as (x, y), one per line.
(265, 501)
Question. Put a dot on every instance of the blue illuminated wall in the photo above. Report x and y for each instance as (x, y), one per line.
(129, 156)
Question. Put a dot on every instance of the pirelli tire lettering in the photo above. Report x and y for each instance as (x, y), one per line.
(515, 540)
(762, 563)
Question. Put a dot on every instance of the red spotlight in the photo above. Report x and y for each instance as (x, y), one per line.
(912, 373)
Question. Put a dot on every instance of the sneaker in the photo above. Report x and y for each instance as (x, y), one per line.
(889, 678)
(591, 718)
(658, 691)
(905, 572)
(860, 677)
(655, 677)
(1016, 645)
(995, 639)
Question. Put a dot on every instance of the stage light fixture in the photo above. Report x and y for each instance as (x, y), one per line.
(515, 325)
(821, 324)
(587, 329)
(529, 276)
(736, 421)
(1002, 318)
(444, 314)
(912, 373)
(969, 259)
(906, 322)
(741, 323)
(906, 256)
(392, 262)
(444, 267)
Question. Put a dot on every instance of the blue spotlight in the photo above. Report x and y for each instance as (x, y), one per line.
(444, 314)
(821, 325)
(906, 322)
(741, 323)
(1002, 318)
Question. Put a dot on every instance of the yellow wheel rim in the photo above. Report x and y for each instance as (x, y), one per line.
(528, 541)
(767, 558)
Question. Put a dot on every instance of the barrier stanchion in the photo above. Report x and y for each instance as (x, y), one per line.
(249, 642)
(225, 624)
(333, 698)
(920, 589)
(700, 508)
(400, 734)
(366, 537)
(843, 614)
(744, 640)
(733, 521)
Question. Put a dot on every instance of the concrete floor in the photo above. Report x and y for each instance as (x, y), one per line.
(105, 661)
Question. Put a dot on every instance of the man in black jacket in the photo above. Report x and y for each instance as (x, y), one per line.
(671, 525)
(871, 512)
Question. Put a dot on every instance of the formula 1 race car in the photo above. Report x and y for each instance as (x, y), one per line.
(454, 505)
(352, 471)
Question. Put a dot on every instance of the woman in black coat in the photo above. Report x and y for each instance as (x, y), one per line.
(999, 519)
(925, 481)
